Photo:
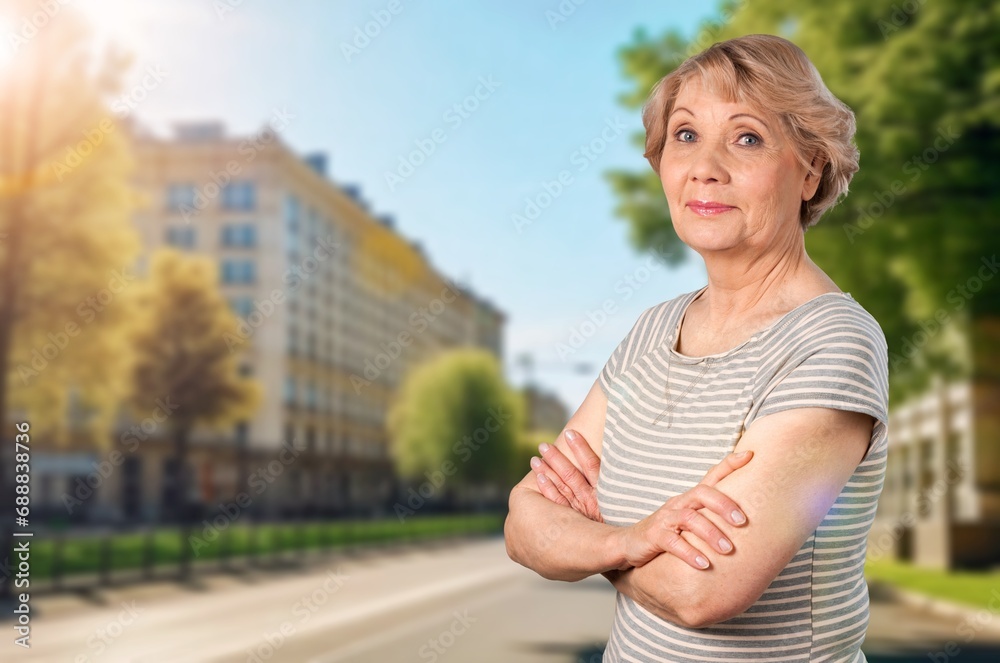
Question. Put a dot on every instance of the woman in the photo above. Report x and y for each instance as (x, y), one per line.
(718, 557)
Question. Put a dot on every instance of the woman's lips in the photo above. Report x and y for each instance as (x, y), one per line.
(708, 208)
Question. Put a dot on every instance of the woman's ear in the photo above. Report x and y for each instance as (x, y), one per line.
(813, 177)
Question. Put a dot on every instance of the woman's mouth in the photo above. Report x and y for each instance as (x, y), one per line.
(708, 207)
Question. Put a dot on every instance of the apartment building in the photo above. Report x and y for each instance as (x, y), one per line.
(336, 307)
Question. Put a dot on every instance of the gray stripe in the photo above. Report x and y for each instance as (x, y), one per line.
(828, 352)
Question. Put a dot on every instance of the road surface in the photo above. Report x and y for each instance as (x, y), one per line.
(459, 603)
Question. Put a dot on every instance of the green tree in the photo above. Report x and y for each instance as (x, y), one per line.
(455, 416)
(66, 239)
(922, 213)
(182, 358)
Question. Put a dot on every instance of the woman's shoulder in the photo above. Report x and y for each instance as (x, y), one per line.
(831, 323)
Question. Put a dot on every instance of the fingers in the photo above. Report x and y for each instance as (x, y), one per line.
(705, 529)
(676, 545)
(545, 485)
(583, 500)
(566, 470)
(546, 475)
(726, 466)
(717, 501)
(590, 463)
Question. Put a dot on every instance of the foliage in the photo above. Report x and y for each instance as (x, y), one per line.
(66, 240)
(910, 239)
(181, 353)
(456, 408)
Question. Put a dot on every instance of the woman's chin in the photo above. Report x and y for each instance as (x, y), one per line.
(710, 240)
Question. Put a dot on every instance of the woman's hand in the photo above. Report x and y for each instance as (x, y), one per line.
(661, 531)
(561, 482)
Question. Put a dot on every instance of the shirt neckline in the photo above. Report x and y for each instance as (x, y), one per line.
(777, 324)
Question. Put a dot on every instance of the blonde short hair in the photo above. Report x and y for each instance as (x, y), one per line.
(774, 75)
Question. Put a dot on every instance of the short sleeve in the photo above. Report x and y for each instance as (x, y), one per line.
(626, 348)
(843, 365)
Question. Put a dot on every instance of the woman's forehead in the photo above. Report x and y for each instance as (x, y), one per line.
(700, 99)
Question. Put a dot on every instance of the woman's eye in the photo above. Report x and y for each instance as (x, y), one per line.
(681, 135)
(754, 139)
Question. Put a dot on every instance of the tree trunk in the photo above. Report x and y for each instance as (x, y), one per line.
(184, 507)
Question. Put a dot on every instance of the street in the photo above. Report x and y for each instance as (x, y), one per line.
(462, 602)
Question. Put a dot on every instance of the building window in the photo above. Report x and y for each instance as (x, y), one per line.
(241, 195)
(239, 271)
(182, 237)
(180, 196)
(242, 306)
(311, 396)
(239, 235)
(291, 212)
(291, 391)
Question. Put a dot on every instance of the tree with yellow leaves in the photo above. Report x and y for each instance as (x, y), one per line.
(66, 242)
(181, 355)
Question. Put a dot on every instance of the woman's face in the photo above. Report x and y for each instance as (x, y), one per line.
(730, 176)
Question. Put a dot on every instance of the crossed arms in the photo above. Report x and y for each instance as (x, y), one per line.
(801, 460)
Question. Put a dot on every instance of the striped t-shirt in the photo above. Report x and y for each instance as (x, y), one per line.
(827, 352)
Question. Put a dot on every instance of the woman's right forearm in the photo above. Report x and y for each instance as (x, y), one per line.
(557, 542)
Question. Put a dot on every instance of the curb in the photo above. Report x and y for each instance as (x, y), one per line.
(943, 607)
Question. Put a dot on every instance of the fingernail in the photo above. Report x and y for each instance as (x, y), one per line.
(536, 462)
(740, 454)
(725, 545)
(701, 561)
(542, 478)
(571, 435)
(738, 517)
(543, 447)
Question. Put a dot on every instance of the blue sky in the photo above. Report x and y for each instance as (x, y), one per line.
(552, 91)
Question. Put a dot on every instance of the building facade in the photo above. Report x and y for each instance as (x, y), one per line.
(940, 504)
(335, 308)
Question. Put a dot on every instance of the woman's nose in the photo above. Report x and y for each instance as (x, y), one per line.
(708, 164)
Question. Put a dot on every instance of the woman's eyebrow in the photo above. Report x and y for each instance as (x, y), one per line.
(733, 117)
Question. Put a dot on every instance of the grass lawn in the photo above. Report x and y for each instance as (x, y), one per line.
(127, 551)
(972, 588)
